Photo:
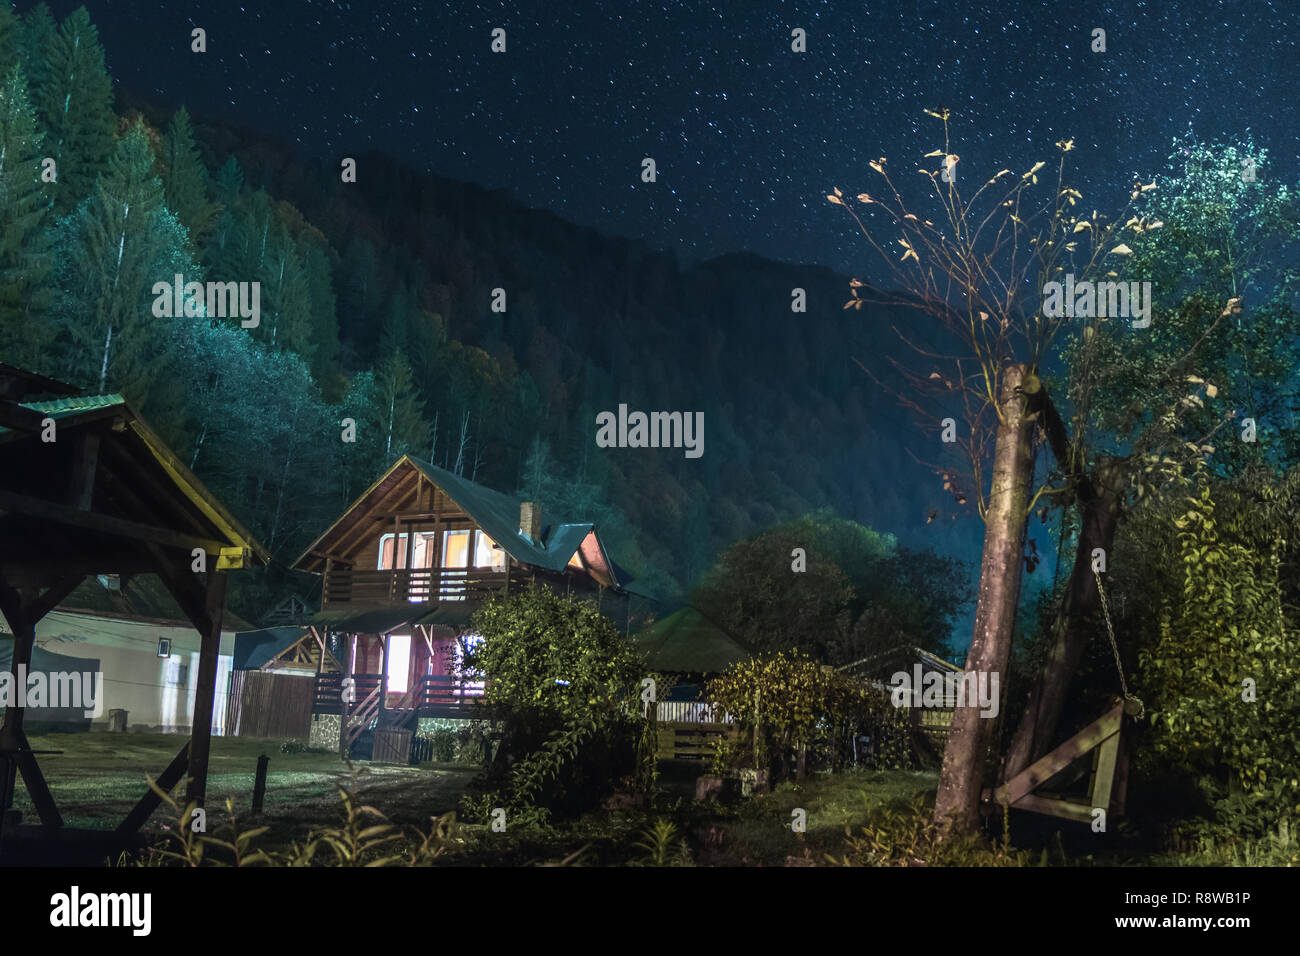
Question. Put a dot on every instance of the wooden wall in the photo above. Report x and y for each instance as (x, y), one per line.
(269, 705)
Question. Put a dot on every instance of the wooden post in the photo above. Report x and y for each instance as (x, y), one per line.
(383, 671)
(204, 693)
(259, 783)
(960, 783)
(348, 649)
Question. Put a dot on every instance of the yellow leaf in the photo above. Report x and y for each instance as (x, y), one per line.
(1121, 250)
(1211, 390)
(863, 197)
(1081, 225)
(937, 152)
(837, 190)
(835, 199)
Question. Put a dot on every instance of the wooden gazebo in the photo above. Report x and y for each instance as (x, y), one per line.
(87, 488)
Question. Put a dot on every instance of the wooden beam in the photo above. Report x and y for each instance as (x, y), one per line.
(205, 691)
(149, 802)
(37, 788)
(103, 524)
(1039, 772)
(20, 419)
(85, 460)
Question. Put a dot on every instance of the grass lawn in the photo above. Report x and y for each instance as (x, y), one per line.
(754, 832)
(98, 777)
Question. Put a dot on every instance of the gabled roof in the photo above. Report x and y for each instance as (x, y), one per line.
(496, 513)
(256, 648)
(139, 486)
(687, 642)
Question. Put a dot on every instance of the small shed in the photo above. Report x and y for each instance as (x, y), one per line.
(691, 647)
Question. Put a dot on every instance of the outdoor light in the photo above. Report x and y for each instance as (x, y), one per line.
(164, 647)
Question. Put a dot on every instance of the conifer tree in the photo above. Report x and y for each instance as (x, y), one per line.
(26, 260)
(9, 39)
(406, 431)
(286, 302)
(185, 181)
(112, 249)
(74, 102)
(323, 310)
(35, 36)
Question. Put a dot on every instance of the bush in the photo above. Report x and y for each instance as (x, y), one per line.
(560, 689)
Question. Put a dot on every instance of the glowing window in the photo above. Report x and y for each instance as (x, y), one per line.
(399, 662)
(486, 552)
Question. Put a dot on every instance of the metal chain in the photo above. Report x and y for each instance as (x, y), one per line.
(1110, 630)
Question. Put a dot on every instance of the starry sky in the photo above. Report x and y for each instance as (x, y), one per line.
(747, 136)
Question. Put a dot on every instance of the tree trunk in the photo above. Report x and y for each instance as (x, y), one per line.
(1070, 630)
(961, 779)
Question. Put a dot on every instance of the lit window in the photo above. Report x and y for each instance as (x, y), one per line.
(399, 662)
(421, 557)
(487, 554)
(576, 561)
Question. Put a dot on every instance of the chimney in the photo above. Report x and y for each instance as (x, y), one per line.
(530, 521)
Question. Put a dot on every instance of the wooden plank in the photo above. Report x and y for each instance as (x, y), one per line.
(1053, 763)
(1104, 776)
(1065, 809)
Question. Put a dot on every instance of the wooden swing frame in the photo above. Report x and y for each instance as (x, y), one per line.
(1107, 786)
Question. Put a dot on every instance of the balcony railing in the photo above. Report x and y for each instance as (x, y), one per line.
(416, 585)
(430, 696)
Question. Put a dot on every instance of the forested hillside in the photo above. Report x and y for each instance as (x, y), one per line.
(376, 302)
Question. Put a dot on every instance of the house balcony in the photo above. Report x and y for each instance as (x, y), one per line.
(344, 586)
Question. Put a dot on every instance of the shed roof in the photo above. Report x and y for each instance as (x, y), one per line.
(255, 648)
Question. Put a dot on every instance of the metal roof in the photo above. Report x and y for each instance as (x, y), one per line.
(493, 511)
(255, 648)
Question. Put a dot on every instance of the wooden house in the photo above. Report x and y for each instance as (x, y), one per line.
(404, 568)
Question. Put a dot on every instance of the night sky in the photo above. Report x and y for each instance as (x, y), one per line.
(748, 136)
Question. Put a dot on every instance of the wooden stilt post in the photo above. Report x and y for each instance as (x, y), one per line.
(204, 693)
(349, 647)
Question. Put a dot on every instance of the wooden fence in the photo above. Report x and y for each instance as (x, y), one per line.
(693, 741)
(262, 704)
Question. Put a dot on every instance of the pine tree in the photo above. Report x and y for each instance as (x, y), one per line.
(37, 34)
(185, 181)
(111, 250)
(74, 102)
(230, 183)
(26, 261)
(286, 301)
(9, 39)
(324, 314)
(398, 412)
